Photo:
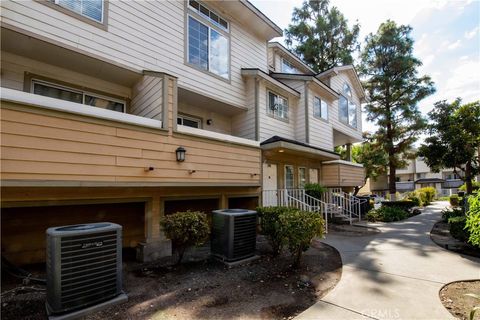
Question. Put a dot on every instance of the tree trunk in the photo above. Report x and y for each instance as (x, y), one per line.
(298, 258)
(392, 186)
(468, 177)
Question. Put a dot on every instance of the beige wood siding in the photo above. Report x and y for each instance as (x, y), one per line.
(145, 35)
(336, 83)
(299, 115)
(147, 98)
(220, 123)
(321, 131)
(55, 148)
(341, 175)
(243, 124)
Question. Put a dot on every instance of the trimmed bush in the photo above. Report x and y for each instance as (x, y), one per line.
(186, 229)
(430, 193)
(315, 190)
(415, 199)
(423, 197)
(473, 220)
(454, 200)
(451, 213)
(387, 214)
(457, 228)
(298, 229)
(402, 204)
(271, 227)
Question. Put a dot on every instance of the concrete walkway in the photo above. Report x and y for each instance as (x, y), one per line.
(396, 274)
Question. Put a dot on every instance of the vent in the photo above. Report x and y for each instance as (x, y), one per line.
(234, 234)
(84, 266)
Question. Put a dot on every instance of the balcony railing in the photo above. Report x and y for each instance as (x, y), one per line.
(450, 184)
(405, 185)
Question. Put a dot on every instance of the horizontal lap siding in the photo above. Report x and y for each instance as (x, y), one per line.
(336, 175)
(321, 132)
(144, 35)
(243, 124)
(45, 147)
(147, 98)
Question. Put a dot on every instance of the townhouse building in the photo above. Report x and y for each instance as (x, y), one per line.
(125, 111)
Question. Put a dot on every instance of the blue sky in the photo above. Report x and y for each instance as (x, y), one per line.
(446, 34)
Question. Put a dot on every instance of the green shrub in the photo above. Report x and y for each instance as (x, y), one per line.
(475, 186)
(430, 193)
(423, 197)
(271, 227)
(415, 199)
(451, 213)
(454, 200)
(444, 198)
(457, 228)
(387, 214)
(403, 204)
(315, 190)
(473, 220)
(186, 229)
(298, 229)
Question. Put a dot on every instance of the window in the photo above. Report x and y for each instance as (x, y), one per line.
(208, 47)
(189, 121)
(287, 67)
(320, 108)
(79, 96)
(347, 109)
(91, 9)
(302, 177)
(277, 106)
(209, 15)
(289, 179)
(421, 175)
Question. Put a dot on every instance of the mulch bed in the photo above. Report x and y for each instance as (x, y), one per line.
(440, 234)
(204, 288)
(454, 299)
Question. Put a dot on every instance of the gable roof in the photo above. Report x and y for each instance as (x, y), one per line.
(278, 45)
(352, 73)
(306, 77)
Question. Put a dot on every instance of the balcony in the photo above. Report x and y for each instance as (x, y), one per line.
(340, 173)
(405, 186)
(452, 184)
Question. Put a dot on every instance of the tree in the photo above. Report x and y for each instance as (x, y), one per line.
(394, 89)
(321, 36)
(454, 139)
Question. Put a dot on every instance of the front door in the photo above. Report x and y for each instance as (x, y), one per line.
(269, 184)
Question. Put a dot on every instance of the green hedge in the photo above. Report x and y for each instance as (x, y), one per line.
(387, 214)
(473, 220)
(451, 213)
(402, 204)
(430, 193)
(457, 228)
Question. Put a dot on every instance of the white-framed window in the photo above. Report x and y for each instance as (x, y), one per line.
(189, 121)
(288, 67)
(208, 14)
(302, 177)
(320, 108)
(289, 177)
(347, 109)
(208, 46)
(91, 9)
(56, 91)
(277, 106)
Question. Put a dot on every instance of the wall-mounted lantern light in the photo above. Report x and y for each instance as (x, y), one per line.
(180, 152)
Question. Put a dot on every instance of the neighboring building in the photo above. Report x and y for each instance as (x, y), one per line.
(418, 175)
(97, 100)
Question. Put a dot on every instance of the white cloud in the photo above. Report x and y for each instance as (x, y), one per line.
(470, 34)
(464, 82)
(454, 45)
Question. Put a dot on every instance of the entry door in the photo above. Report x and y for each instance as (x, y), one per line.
(313, 175)
(269, 185)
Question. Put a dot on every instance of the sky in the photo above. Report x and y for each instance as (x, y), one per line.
(446, 34)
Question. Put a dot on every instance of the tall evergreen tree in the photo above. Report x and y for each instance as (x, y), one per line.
(394, 89)
(454, 139)
(321, 36)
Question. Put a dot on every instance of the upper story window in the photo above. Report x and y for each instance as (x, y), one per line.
(79, 96)
(347, 109)
(189, 121)
(208, 47)
(320, 108)
(287, 67)
(91, 9)
(277, 106)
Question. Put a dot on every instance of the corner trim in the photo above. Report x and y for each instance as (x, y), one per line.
(307, 114)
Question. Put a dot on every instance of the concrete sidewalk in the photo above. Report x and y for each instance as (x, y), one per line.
(396, 274)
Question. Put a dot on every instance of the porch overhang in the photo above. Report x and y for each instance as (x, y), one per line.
(278, 145)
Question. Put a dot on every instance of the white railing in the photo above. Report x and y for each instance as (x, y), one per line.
(296, 198)
(348, 205)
